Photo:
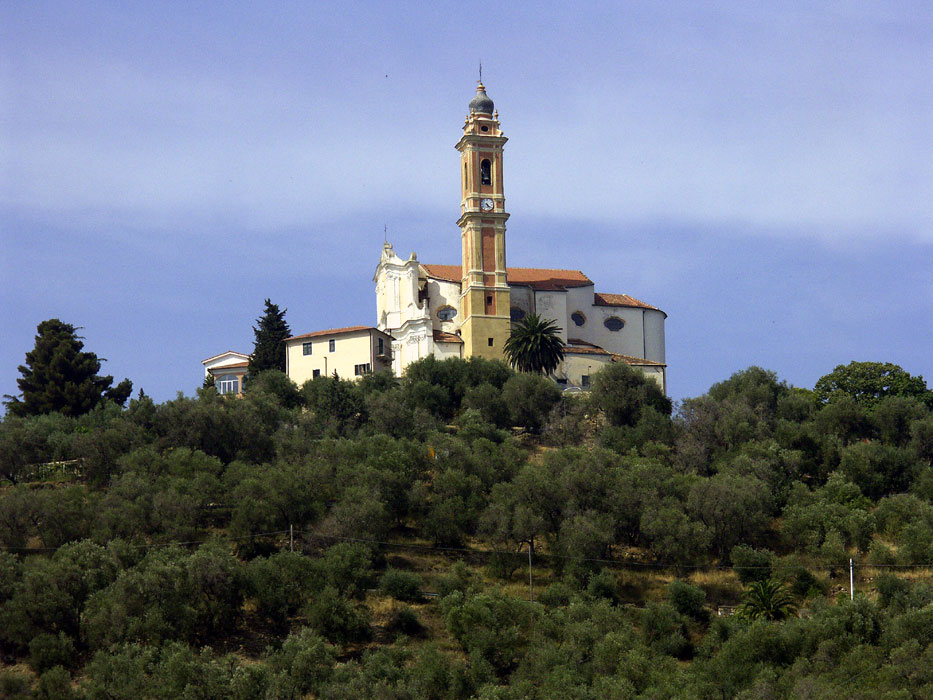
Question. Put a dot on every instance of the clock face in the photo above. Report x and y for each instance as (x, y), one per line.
(487, 204)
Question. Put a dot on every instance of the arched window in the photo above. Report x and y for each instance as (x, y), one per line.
(485, 177)
(446, 313)
(614, 323)
(578, 318)
(517, 313)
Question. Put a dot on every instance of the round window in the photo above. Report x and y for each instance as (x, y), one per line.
(578, 318)
(517, 314)
(614, 323)
(446, 313)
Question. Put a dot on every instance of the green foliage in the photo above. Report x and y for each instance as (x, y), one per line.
(751, 564)
(534, 345)
(336, 618)
(365, 461)
(665, 630)
(404, 620)
(303, 664)
(49, 650)
(274, 383)
(767, 600)
(492, 626)
(688, 600)
(55, 684)
(401, 585)
(869, 382)
(622, 393)
(168, 595)
(269, 343)
(280, 584)
(347, 567)
(530, 398)
(60, 376)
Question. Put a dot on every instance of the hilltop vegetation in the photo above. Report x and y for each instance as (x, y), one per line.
(372, 539)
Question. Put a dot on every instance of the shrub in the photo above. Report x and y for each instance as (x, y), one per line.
(49, 650)
(688, 600)
(459, 579)
(556, 595)
(751, 564)
(404, 620)
(603, 585)
(401, 585)
(14, 686)
(55, 684)
(303, 664)
(337, 619)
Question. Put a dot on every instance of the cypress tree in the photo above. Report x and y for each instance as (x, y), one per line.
(269, 346)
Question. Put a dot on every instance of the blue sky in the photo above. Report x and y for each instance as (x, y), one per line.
(761, 171)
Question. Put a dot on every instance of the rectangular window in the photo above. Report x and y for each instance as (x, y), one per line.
(315, 373)
(490, 342)
(360, 370)
(306, 348)
(331, 345)
(227, 385)
(585, 380)
(380, 349)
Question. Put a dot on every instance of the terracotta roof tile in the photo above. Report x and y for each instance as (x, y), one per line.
(444, 337)
(600, 299)
(538, 278)
(638, 361)
(584, 350)
(333, 331)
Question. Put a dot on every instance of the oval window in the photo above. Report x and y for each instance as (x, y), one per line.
(614, 323)
(578, 318)
(446, 313)
(517, 314)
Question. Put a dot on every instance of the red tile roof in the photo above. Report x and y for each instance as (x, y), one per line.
(444, 337)
(333, 331)
(537, 278)
(638, 361)
(584, 350)
(575, 346)
(600, 299)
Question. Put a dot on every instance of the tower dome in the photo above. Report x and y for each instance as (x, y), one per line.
(481, 103)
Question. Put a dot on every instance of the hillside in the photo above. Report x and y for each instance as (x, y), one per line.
(471, 532)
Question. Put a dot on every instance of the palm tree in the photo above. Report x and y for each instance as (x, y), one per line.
(535, 345)
(768, 600)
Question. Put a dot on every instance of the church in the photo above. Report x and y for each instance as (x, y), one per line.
(468, 309)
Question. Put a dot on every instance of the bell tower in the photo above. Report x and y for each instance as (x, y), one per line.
(484, 289)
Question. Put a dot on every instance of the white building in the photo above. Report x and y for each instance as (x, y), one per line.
(227, 369)
(350, 352)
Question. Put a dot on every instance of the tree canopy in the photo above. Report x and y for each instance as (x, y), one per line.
(59, 375)
(269, 346)
(535, 345)
(869, 382)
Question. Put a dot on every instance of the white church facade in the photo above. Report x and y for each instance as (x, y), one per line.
(468, 309)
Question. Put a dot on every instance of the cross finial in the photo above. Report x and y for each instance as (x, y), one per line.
(481, 71)
(385, 232)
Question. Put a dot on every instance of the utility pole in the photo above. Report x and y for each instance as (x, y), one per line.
(851, 581)
(531, 583)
